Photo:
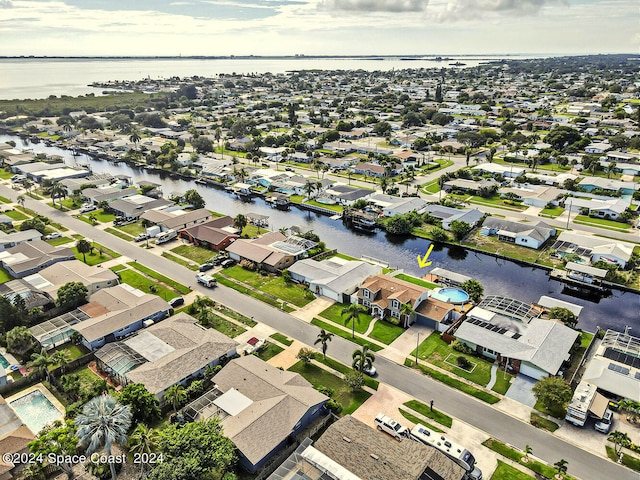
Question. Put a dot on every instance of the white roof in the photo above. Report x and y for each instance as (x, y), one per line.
(549, 302)
(233, 402)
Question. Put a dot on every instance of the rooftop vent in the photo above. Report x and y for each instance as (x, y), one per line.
(374, 456)
(346, 439)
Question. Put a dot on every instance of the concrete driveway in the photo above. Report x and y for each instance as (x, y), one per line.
(520, 390)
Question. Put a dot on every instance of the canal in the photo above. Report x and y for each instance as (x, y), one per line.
(499, 276)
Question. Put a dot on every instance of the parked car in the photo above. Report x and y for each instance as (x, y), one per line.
(53, 235)
(372, 372)
(219, 259)
(176, 302)
(140, 237)
(254, 344)
(206, 280)
(289, 169)
(87, 207)
(229, 262)
(393, 428)
(205, 266)
(604, 425)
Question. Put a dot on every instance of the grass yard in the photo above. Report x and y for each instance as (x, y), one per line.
(92, 258)
(425, 410)
(431, 187)
(272, 285)
(252, 231)
(539, 421)
(334, 208)
(627, 460)
(238, 316)
(243, 289)
(385, 332)
(417, 281)
(283, 339)
(270, 351)
(344, 334)
(124, 236)
(118, 268)
(435, 350)
(16, 215)
(5, 175)
(319, 377)
(551, 212)
(507, 472)
(224, 326)
(412, 418)
(4, 275)
(496, 201)
(196, 254)
(183, 289)
(493, 245)
(132, 229)
(344, 369)
(334, 314)
(75, 351)
(601, 222)
(180, 261)
(59, 241)
(144, 284)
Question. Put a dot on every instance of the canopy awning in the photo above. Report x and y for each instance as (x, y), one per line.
(599, 405)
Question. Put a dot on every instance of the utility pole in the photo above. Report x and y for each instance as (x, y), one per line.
(417, 347)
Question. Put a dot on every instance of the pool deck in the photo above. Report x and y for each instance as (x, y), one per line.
(10, 358)
(45, 391)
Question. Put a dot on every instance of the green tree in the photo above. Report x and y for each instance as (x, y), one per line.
(323, 338)
(306, 355)
(619, 439)
(19, 340)
(56, 439)
(71, 294)
(33, 223)
(194, 198)
(352, 314)
(175, 395)
(528, 450)
(58, 191)
(134, 137)
(363, 359)
(355, 380)
(565, 315)
(474, 288)
(195, 450)
(561, 467)
(103, 423)
(144, 406)
(553, 393)
(83, 247)
(41, 364)
(439, 234)
(310, 187)
(460, 229)
(20, 200)
(240, 221)
(143, 441)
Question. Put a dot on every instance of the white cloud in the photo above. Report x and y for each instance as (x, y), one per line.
(6, 4)
(370, 6)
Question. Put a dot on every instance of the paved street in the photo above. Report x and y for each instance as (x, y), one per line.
(496, 423)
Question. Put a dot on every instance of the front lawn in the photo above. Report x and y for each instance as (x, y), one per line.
(183, 289)
(334, 314)
(417, 281)
(16, 215)
(132, 229)
(507, 472)
(627, 460)
(272, 285)
(344, 334)
(344, 369)
(319, 377)
(385, 332)
(92, 258)
(539, 421)
(551, 212)
(4, 275)
(180, 261)
(59, 241)
(119, 234)
(283, 339)
(412, 418)
(193, 253)
(601, 222)
(426, 411)
(270, 351)
(145, 284)
(224, 326)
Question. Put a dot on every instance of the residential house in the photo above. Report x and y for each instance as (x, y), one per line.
(14, 440)
(471, 186)
(507, 171)
(132, 207)
(272, 251)
(98, 179)
(107, 194)
(526, 235)
(165, 354)
(513, 333)
(10, 240)
(178, 219)
(336, 278)
(436, 313)
(535, 195)
(261, 409)
(346, 194)
(30, 257)
(594, 248)
(391, 205)
(599, 183)
(216, 234)
(598, 148)
(126, 310)
(387, 296)
(33, 297)
(447, 215)
(609, 209)
(94, 277)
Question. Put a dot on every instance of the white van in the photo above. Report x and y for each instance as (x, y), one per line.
(18, 178)
(166, 236)
(393, 428)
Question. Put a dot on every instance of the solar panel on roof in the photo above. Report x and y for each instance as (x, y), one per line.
(619, 369)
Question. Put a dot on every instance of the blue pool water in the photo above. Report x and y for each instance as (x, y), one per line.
(455, 295)
(3, 361)
(35, 410)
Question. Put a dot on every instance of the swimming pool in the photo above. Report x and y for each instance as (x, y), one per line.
(35, 410)
(3, 361)
(454, 295)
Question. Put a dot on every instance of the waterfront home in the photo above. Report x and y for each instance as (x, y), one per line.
(216, 234)
(30, 257)
(599, 183)
(447, 215)
(391, 205)
(94, 277)
(175, 218)
(126, 310)
(132, 207)
(534, 195)
(386, 296)
(272, 251)
(261, 409)
(9, 240)
(525, 235)
(346, 194)
(513, 333)
(107, 193)
(165, 354)
(593, 248)
(99, 180)
(336, 278)
(376, 170)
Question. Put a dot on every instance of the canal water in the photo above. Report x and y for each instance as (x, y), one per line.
(499, 276)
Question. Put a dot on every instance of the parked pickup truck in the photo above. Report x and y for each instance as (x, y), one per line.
(206, 280)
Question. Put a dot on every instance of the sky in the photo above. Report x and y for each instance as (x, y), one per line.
(317, 27)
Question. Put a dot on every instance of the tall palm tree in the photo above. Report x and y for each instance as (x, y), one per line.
(610, 168)
(175, 395)
(103, 423)
(240, 221)
(323, 338)
(134, 138)
(310, 187)
(352, 314)
(619, 439)
(83, 247)
(143, 441)
(58, 191)
(200, 303)
(363, 359)
(27, 184)
(41, 363)
(20, 200)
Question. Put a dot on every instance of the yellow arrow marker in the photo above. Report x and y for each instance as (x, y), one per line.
(422, 262)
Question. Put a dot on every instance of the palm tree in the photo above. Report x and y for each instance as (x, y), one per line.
(384, 184)
(619, 439)
(58, 191)
(175, 395)
(352, 314)
(143, 441)
(240, 221)
(363, 359)
(610, 168)
(27, 184)
(407, 310)
(41, 363)
(310, 187)
(103, 423)
(61, 358)
(323, 338)
(134, 138)
(20, 200)
(561, 467)
(528, 450)
(93, 219)
(83, 247)
(200, 303)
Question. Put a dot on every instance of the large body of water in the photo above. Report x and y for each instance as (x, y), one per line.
(499, 276)
(39, 77)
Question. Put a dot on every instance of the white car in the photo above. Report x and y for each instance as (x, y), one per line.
(371, 371)
(604, 424)
(87, 208)
(53, 235)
